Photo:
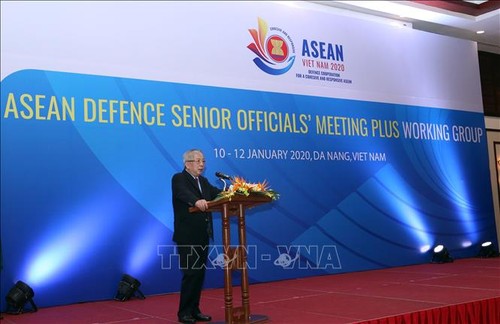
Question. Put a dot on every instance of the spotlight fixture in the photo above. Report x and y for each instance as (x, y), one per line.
(488, 250)
(127, 288)
(441, 255)
(18, 296)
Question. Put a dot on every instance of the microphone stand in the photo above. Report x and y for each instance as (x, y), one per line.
(225, 185)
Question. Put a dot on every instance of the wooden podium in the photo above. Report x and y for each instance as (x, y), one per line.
(236, 258)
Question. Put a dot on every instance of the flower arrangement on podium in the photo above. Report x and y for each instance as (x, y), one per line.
(240, 186)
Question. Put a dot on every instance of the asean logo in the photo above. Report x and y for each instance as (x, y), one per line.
(276, 52)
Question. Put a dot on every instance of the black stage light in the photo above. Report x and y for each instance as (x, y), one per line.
(488, 250)
(127, 288)
(440, 254)
(18, 296)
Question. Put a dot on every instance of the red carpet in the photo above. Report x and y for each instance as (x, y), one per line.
(466, 291)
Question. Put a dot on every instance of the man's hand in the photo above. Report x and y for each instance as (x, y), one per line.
(202, 204)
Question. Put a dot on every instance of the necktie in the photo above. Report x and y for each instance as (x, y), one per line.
(199, 184)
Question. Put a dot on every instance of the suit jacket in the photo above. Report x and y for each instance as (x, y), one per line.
(191, 228)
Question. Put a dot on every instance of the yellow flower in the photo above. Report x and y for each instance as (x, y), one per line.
(261, 186)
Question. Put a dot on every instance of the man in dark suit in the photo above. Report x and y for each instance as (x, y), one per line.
(192, 232)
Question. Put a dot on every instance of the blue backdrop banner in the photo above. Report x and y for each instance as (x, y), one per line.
(87, 160)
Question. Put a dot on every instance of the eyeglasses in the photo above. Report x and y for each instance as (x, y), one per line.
(197, 161)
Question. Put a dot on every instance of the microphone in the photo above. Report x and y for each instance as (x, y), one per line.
(223, 176)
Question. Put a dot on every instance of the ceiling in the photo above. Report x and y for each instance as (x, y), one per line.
(460, 19)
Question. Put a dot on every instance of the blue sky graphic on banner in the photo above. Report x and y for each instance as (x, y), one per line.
(87, 160)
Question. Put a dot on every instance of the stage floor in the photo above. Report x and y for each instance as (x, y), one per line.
(343, 298)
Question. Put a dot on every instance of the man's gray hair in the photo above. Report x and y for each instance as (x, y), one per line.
(189, 155)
